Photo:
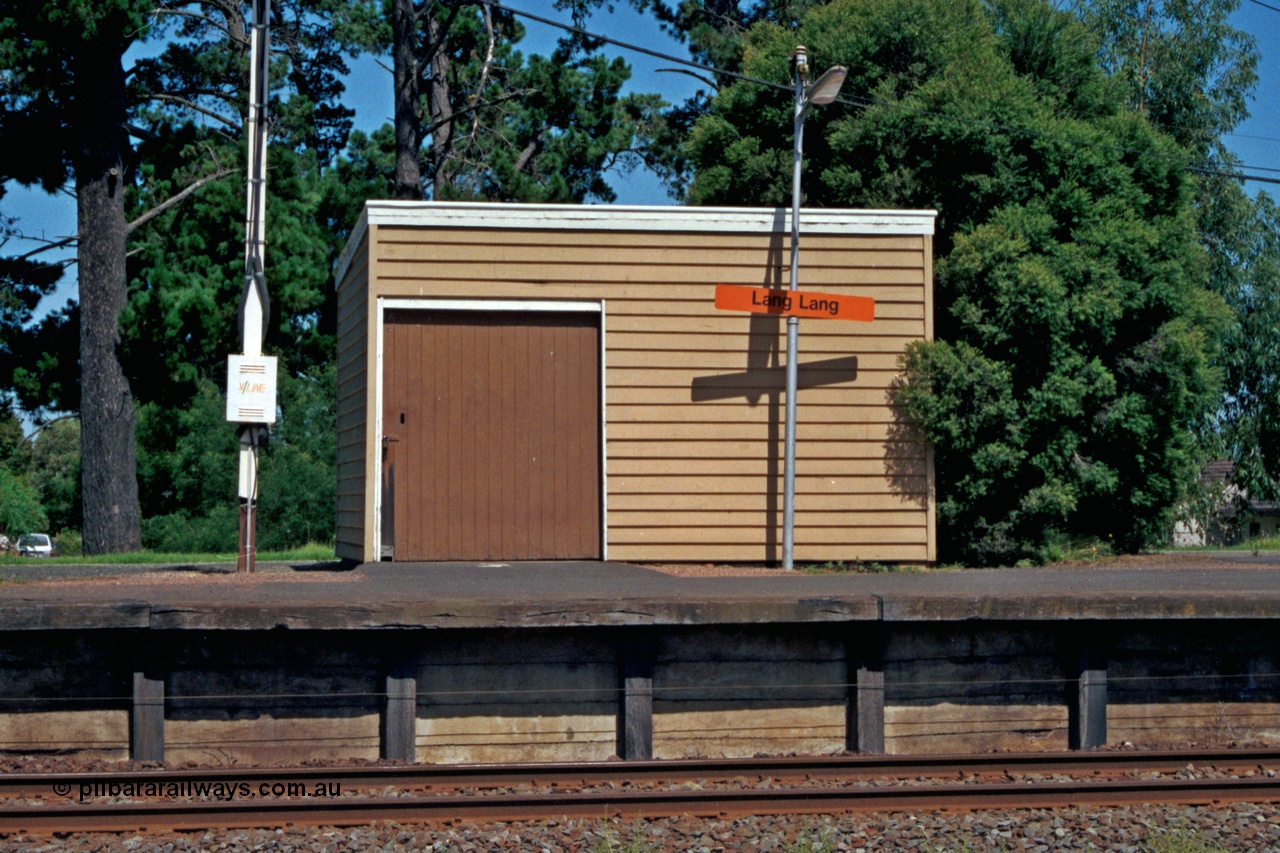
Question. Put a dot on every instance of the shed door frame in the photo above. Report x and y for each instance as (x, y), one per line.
(491, 305)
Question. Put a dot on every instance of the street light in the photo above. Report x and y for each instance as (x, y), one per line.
(823, 91)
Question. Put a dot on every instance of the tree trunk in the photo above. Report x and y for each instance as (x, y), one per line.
(438, 103)
(408, 110)
(109, 480)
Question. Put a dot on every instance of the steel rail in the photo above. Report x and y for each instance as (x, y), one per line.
(347, 811)
(441, 776)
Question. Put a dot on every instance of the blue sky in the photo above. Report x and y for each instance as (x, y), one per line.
(1256, 141)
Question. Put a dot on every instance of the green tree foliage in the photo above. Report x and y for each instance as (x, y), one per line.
(20, 506)
(516, 127)
(1181, 64)
(187, 499)
(184, 201)
(298, 503)
(20, 509)
(24, 281)
(1191, 73)
(53, 470)
(63, 117)
(489, 123)
(1075, 331)
(1243, 237)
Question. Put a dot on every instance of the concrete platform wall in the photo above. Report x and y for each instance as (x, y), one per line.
(286, 696)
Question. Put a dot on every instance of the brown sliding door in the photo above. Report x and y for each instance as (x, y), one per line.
(491, 435)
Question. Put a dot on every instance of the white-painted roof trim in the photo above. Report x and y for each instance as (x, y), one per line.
(598, 217)
(348, 251)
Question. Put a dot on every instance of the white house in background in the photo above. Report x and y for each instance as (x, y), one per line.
(1221, 526)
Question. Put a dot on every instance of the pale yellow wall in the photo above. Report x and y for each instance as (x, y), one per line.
(694, 401)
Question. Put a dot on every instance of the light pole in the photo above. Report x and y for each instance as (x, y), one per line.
(823, 91)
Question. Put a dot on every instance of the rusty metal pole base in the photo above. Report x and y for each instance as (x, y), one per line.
(247, 553)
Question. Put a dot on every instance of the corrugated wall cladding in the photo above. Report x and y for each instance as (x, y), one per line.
(353, 405)
(694, 396)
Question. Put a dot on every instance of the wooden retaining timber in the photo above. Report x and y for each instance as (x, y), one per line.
(642, 672)
(463, 663)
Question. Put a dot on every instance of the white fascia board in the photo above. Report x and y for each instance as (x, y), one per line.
(599, 217)
(410, 302)
(349, 250)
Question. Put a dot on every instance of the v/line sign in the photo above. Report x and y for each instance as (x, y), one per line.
(797, 303)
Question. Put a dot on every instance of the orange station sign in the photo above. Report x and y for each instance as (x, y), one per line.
(798, 303)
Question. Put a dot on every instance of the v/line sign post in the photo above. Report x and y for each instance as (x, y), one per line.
(793, 304)
(251, 377)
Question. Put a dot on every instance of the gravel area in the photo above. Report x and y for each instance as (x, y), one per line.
(1144, 828)
(1149, 829)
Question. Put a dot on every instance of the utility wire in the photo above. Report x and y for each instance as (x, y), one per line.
(864, 103)
(1251, 136)
(1265, 5)
(628, 46)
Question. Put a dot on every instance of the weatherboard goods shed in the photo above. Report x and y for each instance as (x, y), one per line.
(541, 382)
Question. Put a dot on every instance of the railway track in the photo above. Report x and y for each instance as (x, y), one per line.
(630, 789)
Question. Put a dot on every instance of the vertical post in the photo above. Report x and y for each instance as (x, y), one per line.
(254, 302)
(864, 715)
(801, 68)
(635, 704)
(1087, 697)
(146, 717)
(400, 715)
(247, 553)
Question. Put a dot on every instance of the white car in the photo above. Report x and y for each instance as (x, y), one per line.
(35, 545)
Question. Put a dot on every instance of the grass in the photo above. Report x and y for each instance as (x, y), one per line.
(1175, 840)
(816, 838)
(1265, 543)
(811, 839)
(313, 552)
(1180, 841)
(961, 845)
(858, 567)
(610, 840)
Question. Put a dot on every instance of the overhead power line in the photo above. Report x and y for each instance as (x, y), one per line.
(628, 46)
(864, 103)
(1265, 5)
(1252, 136)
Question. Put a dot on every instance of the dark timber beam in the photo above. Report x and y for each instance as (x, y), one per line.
(635, 704)
(864, 714)
(146, 716)
(1087, 695)
(400, 715)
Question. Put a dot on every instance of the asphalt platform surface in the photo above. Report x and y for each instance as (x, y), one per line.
(1204, 585)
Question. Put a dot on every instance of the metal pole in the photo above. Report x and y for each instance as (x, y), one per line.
(793, 327)
(253, 303)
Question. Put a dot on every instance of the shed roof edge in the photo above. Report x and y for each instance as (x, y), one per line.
(349, 250)
(645, 218)
(598, 217)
